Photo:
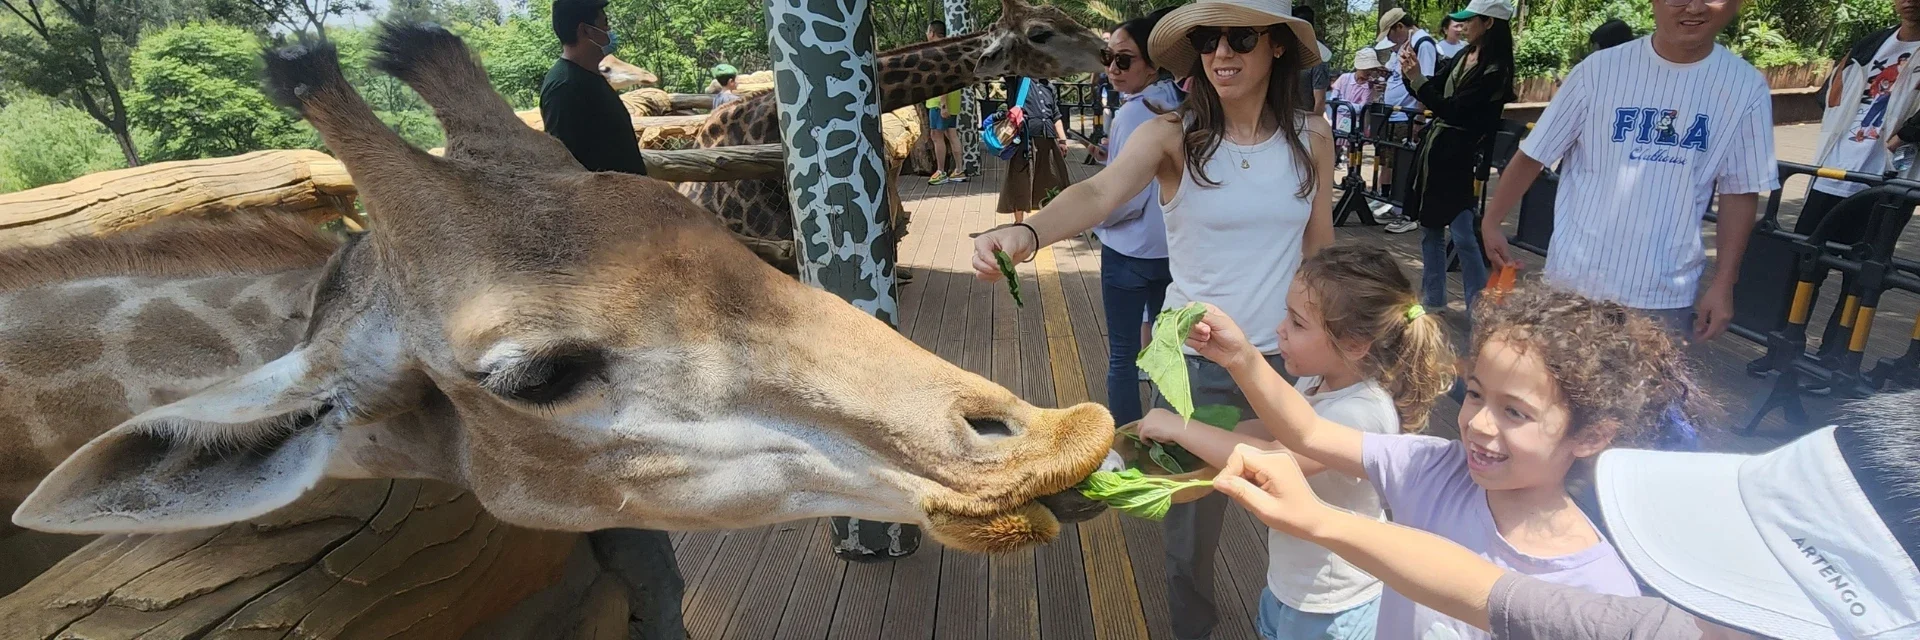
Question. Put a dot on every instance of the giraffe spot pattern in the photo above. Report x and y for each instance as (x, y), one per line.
(218, 293)
(86, 408)
(168, 339)
(55, 329)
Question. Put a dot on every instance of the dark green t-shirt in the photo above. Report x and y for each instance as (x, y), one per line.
(581, 109)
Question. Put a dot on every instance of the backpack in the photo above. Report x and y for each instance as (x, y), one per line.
(1001, 135)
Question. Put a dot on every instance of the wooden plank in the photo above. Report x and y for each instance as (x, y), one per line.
(763, 600)
(913, 598)
(963, 599)
(861, 610)
(695, 556)
(1116, 603)
(816, 589)
(1068, 614)
(1013, 598)
(1147, 551)
(708, 610)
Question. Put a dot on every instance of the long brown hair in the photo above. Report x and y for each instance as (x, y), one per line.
(1364, 295)
(1206, 121)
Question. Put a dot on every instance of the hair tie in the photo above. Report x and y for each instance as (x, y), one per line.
(1414, 312)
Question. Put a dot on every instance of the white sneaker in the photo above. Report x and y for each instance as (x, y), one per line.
(1403, 226)
(1379, 208)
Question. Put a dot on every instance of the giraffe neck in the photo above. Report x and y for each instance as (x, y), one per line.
(913, 74)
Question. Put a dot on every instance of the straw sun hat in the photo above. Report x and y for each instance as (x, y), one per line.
(1169, 40)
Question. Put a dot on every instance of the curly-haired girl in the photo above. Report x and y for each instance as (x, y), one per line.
(1363, 360)
(1554, 379)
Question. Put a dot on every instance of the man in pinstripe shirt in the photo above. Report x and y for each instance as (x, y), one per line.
(1647, 134)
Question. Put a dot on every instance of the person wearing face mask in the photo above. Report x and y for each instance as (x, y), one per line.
(577, 106)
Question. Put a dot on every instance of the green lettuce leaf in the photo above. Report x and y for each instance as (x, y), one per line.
(1135, 493)
(1006, 271)
(1163, 359)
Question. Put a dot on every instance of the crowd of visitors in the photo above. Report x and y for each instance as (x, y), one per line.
(1217, 189)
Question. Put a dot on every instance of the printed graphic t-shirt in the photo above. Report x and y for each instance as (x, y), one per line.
(1863, 147)
(1644, 144)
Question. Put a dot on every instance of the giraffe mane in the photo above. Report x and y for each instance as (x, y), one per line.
(175, 248)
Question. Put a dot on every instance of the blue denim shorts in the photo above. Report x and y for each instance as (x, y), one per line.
(1281, 622)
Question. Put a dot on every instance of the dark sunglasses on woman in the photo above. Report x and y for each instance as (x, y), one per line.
(1119, 61)
(1242, 39)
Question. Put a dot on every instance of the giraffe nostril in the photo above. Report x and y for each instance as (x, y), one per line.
(990, 427)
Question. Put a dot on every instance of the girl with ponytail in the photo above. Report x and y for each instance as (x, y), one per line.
(1366, 357)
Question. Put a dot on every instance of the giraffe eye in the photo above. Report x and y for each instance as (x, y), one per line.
(547, 379)
(1039, 35)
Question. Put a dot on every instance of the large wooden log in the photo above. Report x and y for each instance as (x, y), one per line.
(302, 182)
(353, 559)
(719, 164)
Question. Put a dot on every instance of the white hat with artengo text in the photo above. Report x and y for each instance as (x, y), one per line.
(1816, 539)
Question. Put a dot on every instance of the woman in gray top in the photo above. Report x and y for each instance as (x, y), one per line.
(1815, 539)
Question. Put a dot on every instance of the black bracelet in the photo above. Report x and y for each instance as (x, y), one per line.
(1036, 237)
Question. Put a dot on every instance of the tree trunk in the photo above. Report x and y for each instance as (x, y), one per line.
(840, 219)
(719, 164)
(125, 138)
(351, 559)
(303, 182)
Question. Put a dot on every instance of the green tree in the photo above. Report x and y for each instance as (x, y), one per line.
(75, 50)
(293, 15)
(43, 142)
(197, 89)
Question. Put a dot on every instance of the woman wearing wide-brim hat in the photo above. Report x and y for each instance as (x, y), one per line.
(1245, 180)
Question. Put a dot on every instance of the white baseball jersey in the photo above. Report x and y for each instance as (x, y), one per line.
(1643, 144)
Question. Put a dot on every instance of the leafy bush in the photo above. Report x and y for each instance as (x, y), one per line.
(196, 88)
(1541, 48)
(1766, 46)
(43, 142)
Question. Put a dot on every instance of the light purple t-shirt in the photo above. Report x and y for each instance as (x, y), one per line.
(1425, 484)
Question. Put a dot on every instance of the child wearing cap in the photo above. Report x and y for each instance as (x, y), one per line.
(725, 80)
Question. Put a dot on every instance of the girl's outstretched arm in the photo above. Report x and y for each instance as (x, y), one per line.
(1286, 414)
(1212, 444)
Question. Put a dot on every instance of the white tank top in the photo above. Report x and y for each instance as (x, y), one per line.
(1236, 245)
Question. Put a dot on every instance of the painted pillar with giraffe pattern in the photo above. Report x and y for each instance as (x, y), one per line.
(960, 20)
(823, 68)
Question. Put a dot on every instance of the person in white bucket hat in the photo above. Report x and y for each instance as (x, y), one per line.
(1245, 181)
(1815, 539)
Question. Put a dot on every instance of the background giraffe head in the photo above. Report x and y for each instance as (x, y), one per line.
(1038, 42)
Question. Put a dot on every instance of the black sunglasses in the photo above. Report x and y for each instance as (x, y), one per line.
(1242, 39)
(1120, 61)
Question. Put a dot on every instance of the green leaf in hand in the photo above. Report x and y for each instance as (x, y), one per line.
(1006, 271)
(1135, 493)
(1224, 416)
(1163, 359)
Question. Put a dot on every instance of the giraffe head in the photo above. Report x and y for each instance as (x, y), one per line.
(580, 350)
(624, 76)
(1038, 42)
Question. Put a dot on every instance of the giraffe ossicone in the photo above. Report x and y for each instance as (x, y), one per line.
(581, 351)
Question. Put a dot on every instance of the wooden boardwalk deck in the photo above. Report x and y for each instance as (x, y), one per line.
(1102, 580)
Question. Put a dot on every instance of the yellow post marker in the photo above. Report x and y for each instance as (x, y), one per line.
(1802, 304)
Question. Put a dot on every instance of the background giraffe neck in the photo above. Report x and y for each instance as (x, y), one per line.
(914, 74)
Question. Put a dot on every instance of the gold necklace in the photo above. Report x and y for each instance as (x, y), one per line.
(1243, 157)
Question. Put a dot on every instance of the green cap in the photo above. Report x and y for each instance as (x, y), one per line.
(724, 69)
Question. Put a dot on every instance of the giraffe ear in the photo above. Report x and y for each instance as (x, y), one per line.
(237, 450)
